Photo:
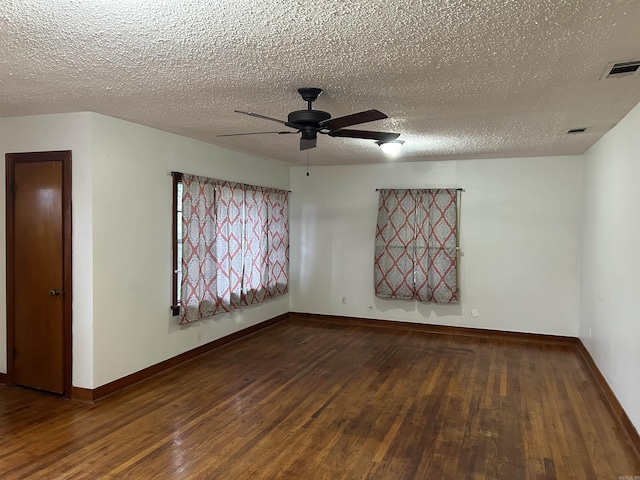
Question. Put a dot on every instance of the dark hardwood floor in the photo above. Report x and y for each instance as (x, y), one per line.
(320, 400)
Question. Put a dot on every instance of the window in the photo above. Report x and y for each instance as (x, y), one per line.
(176, 233)
(179, 235)
(416, 251)
(236, 245)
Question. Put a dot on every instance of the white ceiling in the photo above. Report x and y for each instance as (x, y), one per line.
(457, 78)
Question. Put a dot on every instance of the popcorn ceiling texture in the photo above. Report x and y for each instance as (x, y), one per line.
(458, 78)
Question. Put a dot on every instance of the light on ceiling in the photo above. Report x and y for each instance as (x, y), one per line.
(390, 148)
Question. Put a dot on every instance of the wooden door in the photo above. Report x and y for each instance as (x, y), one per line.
(38, 300)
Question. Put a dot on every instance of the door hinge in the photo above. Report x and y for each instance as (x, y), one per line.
(14, 187)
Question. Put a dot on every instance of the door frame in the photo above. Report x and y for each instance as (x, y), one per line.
(31, 157)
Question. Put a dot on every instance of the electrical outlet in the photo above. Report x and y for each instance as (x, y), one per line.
(343, 301)
(474, 312)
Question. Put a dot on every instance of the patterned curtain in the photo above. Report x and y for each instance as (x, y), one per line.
(229, 244)
(267, 245)
(278, 235)
(415, 248)
(198, 292)
(256, 274)
(235, 246)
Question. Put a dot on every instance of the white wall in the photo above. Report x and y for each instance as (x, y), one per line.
(610, 284)
(133, 326)
(60, 132)
(520, 230)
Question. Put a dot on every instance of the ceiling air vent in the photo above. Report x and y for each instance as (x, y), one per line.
(622, 69)
(577, 130)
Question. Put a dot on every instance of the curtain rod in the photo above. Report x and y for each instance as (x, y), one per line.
(180, 174)
(438, 188)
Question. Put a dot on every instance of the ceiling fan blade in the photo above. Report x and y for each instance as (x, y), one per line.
(353, 119)
(264, 117)
(251, 133)
(307, 143)
(366, 134)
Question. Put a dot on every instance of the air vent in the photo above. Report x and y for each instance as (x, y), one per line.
(577, 130)
(622, 69)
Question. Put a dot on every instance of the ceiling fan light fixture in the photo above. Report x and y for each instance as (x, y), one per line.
(391, 148)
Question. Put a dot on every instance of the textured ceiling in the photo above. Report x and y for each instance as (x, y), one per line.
(457, 78)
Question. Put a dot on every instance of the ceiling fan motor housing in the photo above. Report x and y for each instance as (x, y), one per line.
(309, 120)
(308, 117)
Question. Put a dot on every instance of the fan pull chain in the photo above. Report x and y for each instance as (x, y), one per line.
(307, 163)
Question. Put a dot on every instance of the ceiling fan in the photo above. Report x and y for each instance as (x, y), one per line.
(310, 122)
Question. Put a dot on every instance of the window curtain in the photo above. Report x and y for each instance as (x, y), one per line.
(416, 245)
(256, 274)
(198, 292)
(235, 246)
(229, 200)
(266, 256)
(278, 236)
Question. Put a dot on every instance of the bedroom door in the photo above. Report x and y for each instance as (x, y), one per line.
(38, 271)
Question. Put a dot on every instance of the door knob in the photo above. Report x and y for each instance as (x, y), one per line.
(54, 293)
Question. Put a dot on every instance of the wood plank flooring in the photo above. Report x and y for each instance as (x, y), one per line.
(316, 400)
